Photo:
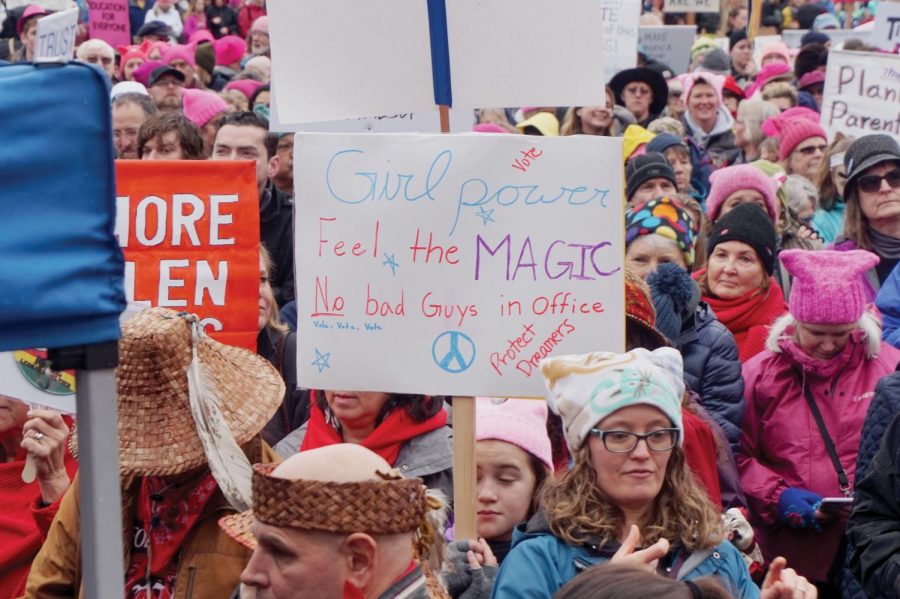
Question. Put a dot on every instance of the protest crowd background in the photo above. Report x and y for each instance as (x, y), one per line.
(742, 443)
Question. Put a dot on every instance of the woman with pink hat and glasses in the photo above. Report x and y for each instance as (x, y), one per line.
(807, 396)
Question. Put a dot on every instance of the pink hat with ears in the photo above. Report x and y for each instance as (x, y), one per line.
(185, 53)
(689, 80)
(129, 53)
(519, 422)
(726, 181)
(771, 128)
(245, 86)
(828, 285)
(199, 36)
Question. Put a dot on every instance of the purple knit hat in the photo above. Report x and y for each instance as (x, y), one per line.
(200, 106)
(185, 53)
(828, 285)
(142, 73)
(229, 49)
(730, 179)
(795, 131)
(520, 422)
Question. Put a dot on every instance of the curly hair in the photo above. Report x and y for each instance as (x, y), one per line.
(578, 510)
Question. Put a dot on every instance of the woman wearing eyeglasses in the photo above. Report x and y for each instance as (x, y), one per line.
(807, 397)
(872, 199)
(802, 146)
(629, 497)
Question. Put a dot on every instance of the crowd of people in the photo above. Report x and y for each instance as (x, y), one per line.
(744, 444)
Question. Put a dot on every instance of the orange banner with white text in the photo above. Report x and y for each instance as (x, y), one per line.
(190, 233)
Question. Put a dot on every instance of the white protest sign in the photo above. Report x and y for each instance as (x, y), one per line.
(452, 264)
(669, 44)
(24, 376)
(792, 37)
(862, 94)
(338, 59)
(619, 34)
(507, 53)
(51, 5)
(56, 35)
(461, 121)
(691, 6)
(886, 34)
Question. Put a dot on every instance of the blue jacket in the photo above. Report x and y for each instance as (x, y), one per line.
(888, 302)
(713, 370)
(540, 563)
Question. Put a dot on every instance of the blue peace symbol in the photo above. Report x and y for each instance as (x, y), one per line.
(450, 350)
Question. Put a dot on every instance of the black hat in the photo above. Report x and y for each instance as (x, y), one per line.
(749, 224)
(644, 75)
(869, 151)
(155, 28)
(736, 36)
(160, 72)
(640, 169)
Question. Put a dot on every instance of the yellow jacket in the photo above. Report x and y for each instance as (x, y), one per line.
(209, 564)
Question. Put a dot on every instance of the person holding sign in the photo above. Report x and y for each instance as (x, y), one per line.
(27, 508)
(190, 411)
(807, 399)
(26, 28)
(629, 485)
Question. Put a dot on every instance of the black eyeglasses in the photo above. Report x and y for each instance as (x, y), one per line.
(872, 183)
(812, 149)
(662, 439)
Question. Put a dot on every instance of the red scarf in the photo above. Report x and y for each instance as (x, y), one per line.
(748, 317)
(166, 514)
(387, 438)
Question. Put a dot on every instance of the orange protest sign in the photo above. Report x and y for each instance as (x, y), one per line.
(190, 233)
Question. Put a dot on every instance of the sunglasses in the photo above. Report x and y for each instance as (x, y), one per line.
(809, 150)
(872, 183)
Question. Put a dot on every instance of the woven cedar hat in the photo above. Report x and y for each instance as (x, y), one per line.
(389, 506)
(157, 432)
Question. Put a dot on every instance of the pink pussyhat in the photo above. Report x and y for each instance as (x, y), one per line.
(828, 285)
(689, 80)
(201, 106)
(794, 132)
(520, 422)
(185, 53)
(245, 86)
(771, 125)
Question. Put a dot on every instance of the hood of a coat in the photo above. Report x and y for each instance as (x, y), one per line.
(851, 356)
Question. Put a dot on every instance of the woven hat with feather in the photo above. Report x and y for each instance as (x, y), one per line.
(186, 400)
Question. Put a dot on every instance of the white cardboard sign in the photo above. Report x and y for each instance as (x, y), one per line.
(619, 34)
(51, 5)
(24, 378)
(339, 59)
(56, 35)
(669, 44)
(862, 94)
(691, 6)
(886, 34)
(452, 264)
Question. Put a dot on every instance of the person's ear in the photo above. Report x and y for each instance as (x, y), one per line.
(360, 552)
(272, 166)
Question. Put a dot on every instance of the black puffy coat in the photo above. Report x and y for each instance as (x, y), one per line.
(713, 370)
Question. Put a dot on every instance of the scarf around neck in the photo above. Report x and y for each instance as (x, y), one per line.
(884, 245)
(852, 354)
(397, 428)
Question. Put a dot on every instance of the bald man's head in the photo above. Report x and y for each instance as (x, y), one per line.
(338, 463)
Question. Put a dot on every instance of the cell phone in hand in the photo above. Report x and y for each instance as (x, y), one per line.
(836, 503)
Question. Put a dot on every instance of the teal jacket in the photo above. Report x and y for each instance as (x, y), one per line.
(540, 563)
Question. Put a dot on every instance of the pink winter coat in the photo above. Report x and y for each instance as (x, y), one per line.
(781, 445)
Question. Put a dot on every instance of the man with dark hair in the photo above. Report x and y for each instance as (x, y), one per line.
(246, 136)
(284, 178)
(129, 111)
(169, 136)
(166, 85)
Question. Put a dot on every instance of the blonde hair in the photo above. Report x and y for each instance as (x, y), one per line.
(273, 318)
(578, 511)
(780, 89)
(828, 193)
(868, 324)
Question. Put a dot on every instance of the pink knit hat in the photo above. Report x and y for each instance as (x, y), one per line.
(730, 179)
(142, 73)
(771, 72)
(185, 53)
(689, 80)
(828, 285)
(261, 24)
(794, 132)
(245, 86)
(229, 49)
(489, 128)
(200, 106)
(771, 126)
(520, 422)
(129, 53)
(200, 36)
(778, 49)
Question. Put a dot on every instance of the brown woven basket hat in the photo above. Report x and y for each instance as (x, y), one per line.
(157, 434)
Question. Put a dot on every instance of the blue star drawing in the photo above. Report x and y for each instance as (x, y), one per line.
(389, 260)
(485, 215)
(321, 361)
